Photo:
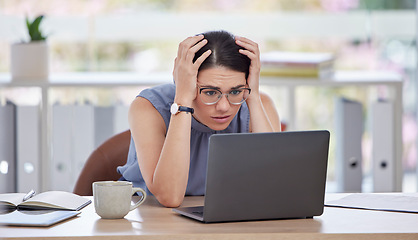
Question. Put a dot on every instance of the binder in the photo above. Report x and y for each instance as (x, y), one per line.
(83, 138)
(62, 154)
(120, 118)
(383, 152)
(28, 140)
(7, 148)
(349, 131)
(103, 124)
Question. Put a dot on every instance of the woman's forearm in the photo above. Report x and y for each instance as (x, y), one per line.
(171, 173)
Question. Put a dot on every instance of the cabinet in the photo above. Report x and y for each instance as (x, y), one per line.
(111, 80)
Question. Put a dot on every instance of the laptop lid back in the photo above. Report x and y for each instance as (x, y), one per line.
(256, 176)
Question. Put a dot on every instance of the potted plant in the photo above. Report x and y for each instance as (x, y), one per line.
(30, 60)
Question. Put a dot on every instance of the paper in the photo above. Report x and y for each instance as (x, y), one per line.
(43, 218)
(397, 202)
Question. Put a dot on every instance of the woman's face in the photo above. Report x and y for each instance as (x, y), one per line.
(219, 115)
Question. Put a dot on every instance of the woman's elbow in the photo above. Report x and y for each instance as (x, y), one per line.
(166, 198)
(170, 201)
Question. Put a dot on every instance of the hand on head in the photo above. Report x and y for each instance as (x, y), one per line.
(185, 71)
(252, 51)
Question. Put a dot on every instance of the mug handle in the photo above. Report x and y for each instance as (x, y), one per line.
(144, 195)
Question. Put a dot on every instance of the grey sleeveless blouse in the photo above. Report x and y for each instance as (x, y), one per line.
(161, 97)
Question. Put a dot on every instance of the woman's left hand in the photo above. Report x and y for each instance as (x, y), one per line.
(263, 114)
(253, 53)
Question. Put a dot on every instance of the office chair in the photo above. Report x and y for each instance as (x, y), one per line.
(102, 162)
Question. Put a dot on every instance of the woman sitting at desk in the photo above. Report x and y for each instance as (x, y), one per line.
(216, 90)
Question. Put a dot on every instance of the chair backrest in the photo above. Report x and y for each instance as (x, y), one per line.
(102, 162)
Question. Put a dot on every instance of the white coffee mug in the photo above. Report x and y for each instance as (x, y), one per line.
(112, 199)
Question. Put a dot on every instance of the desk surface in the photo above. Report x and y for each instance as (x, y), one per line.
(152, 221)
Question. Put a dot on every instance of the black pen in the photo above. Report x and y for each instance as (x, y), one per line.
(29, 195)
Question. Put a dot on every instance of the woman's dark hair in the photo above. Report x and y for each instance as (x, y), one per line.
(224, 53)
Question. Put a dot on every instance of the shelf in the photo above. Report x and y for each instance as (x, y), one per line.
(131, 78)
(120, 79)
(109, 79)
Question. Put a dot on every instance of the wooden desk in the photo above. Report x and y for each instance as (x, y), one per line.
(152, 221)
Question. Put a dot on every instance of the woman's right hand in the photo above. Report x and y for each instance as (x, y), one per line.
(185, 71)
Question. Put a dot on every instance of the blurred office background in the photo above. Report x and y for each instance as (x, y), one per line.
(141, 36)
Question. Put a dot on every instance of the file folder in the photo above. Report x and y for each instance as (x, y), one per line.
(349, 132)
(120, 118)
(28, 148)
(383, 153)
(103, 124)
(62, 154)
(7, 148)
(83, 137)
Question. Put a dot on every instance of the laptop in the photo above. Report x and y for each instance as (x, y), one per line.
(262, 176)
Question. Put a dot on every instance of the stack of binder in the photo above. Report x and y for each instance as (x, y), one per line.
(19, 148)
(76, 131)
(298, 64)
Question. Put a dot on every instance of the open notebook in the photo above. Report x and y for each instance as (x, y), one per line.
(46, 200)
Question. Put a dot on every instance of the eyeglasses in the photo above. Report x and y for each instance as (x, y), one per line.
(210, 96)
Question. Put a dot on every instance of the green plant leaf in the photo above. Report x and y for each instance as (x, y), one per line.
(27, 22)
(37, 21)
(34, 31)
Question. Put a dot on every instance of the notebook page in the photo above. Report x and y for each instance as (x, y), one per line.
(398, 202)
(58, 199)
(11, 198)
